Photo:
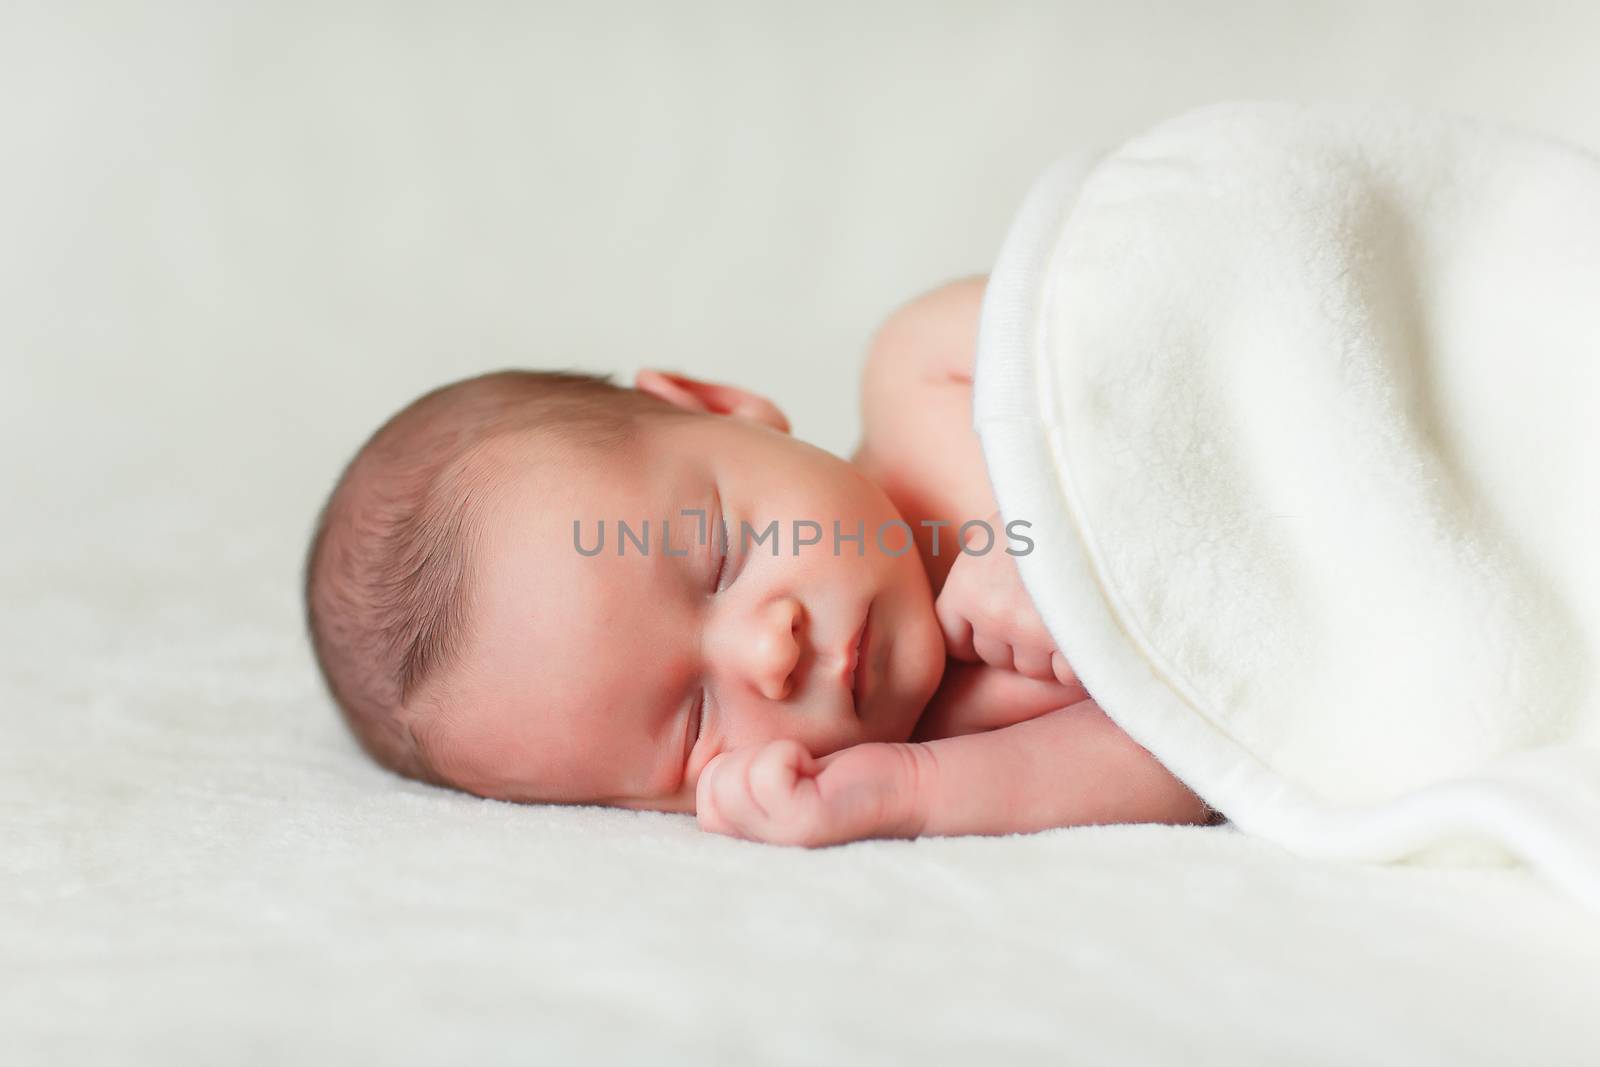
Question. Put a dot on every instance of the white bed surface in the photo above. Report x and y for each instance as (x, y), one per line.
(197, 861)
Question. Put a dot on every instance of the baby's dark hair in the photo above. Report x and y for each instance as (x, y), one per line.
(388, 575)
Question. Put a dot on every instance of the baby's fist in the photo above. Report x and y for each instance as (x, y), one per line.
(988, 617)
(779, 793)
(763, 792)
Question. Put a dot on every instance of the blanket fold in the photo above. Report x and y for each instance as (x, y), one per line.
(1302, 402)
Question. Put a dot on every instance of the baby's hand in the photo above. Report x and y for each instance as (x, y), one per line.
(779, 793)
(988, 617)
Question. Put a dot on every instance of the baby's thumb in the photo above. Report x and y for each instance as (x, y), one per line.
(707, 811)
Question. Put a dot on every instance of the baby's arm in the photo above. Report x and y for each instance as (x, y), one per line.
(1068, 767)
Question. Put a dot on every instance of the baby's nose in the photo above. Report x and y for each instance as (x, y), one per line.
(773, 647)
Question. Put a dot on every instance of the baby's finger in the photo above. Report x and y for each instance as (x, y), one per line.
(774, 772)
(994, 653)
(957, 632)
(1062, 669)
(709, 808)
(724, 792)
(1034, 662)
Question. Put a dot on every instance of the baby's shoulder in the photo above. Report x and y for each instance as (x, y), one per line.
(933, 339)
(918, 378)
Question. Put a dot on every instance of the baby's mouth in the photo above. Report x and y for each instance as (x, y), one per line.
(858, 660)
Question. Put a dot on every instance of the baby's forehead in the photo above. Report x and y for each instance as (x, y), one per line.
(580, 542)
(551, 482)
(553, 458)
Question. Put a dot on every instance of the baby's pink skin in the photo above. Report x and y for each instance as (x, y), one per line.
(597, 700)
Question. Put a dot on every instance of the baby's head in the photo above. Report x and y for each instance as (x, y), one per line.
(474, 637)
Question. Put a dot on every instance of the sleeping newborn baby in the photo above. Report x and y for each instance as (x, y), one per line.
(544, 587)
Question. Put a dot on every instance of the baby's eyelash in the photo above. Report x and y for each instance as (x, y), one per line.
(719, 540)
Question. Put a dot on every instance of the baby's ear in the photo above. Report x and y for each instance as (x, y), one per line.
(713, 398)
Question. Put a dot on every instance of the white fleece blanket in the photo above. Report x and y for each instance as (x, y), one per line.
(1301, 403)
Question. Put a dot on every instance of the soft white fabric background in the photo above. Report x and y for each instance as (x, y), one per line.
(233, 237)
